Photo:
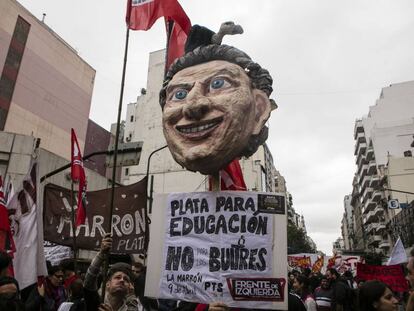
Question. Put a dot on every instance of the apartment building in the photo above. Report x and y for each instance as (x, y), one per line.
(385, 133)
(45, 86)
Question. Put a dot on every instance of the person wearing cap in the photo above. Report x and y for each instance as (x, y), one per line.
(119, 289)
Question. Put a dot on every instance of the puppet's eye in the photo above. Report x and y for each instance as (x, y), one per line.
(180, 94)
(218, 83)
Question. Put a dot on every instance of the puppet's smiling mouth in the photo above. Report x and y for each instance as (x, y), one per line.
(199, 129)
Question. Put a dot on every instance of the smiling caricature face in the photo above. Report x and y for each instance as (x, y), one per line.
(210, 113)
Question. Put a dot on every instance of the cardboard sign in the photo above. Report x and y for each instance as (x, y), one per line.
(218, 246)
(129, 219)
(392, 275)
(56, 253)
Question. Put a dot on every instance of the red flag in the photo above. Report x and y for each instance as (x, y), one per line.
(81, 211)
(6, 236)
(232, 177)
(176, 42)
(142, 14)
(76, 158)
(78, 174)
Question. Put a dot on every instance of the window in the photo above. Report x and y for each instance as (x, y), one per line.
(132, 119)
(127, 171)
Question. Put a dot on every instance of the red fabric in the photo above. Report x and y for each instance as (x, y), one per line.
(201, 307)
(76, 158)
(78, 174)
(81, 211)
(6, 236)
(142, 14)
(70, 280)
(176, 43)
(231, 177)
(4, 215)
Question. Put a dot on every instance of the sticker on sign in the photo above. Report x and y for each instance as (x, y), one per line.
(259, 289)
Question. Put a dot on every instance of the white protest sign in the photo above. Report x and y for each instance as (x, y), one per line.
(56, 253)
(219, 246)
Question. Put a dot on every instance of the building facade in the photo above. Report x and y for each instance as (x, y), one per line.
(383, 135)
(45, 86)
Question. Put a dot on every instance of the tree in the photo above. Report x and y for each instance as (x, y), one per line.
(297, 240)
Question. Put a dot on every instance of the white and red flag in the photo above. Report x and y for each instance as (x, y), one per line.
(231, 177)
(26, 225)
(78, 174)
(142, 14)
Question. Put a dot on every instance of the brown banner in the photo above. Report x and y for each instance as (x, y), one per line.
(129, 220)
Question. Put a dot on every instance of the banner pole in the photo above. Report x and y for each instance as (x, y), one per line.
(215, 181)
(75, 249)
(118, 125)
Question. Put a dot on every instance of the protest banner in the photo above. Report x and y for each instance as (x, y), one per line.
(219, 246)
(55, 253)
(129, 221)
(299, 262)
(392, 275)
(321, 263)
(317, 266)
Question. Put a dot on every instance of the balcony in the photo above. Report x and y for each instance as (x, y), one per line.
(374, 239)
(370, 205)
(378, 211)
(384, 245)
(372, 167)
(365, 182)
(371, 228)
(369, 217)
(370, 153)
(381, 227)
(360, 148)
(362, 164)
(376, 196)
(374, 181)
(359, 128)
(360, 138)
(366, 194)
(362, 171)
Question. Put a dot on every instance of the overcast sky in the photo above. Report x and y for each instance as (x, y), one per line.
(329, 60)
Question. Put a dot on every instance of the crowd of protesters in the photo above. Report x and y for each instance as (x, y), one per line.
(336, 292)
(64, 290)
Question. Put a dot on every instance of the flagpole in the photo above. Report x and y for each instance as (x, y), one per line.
(75, 249)
(169, 26)
(118, 123)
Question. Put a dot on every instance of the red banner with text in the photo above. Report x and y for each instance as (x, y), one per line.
(392, 275)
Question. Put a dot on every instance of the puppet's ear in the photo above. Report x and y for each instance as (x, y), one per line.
(263, 108)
